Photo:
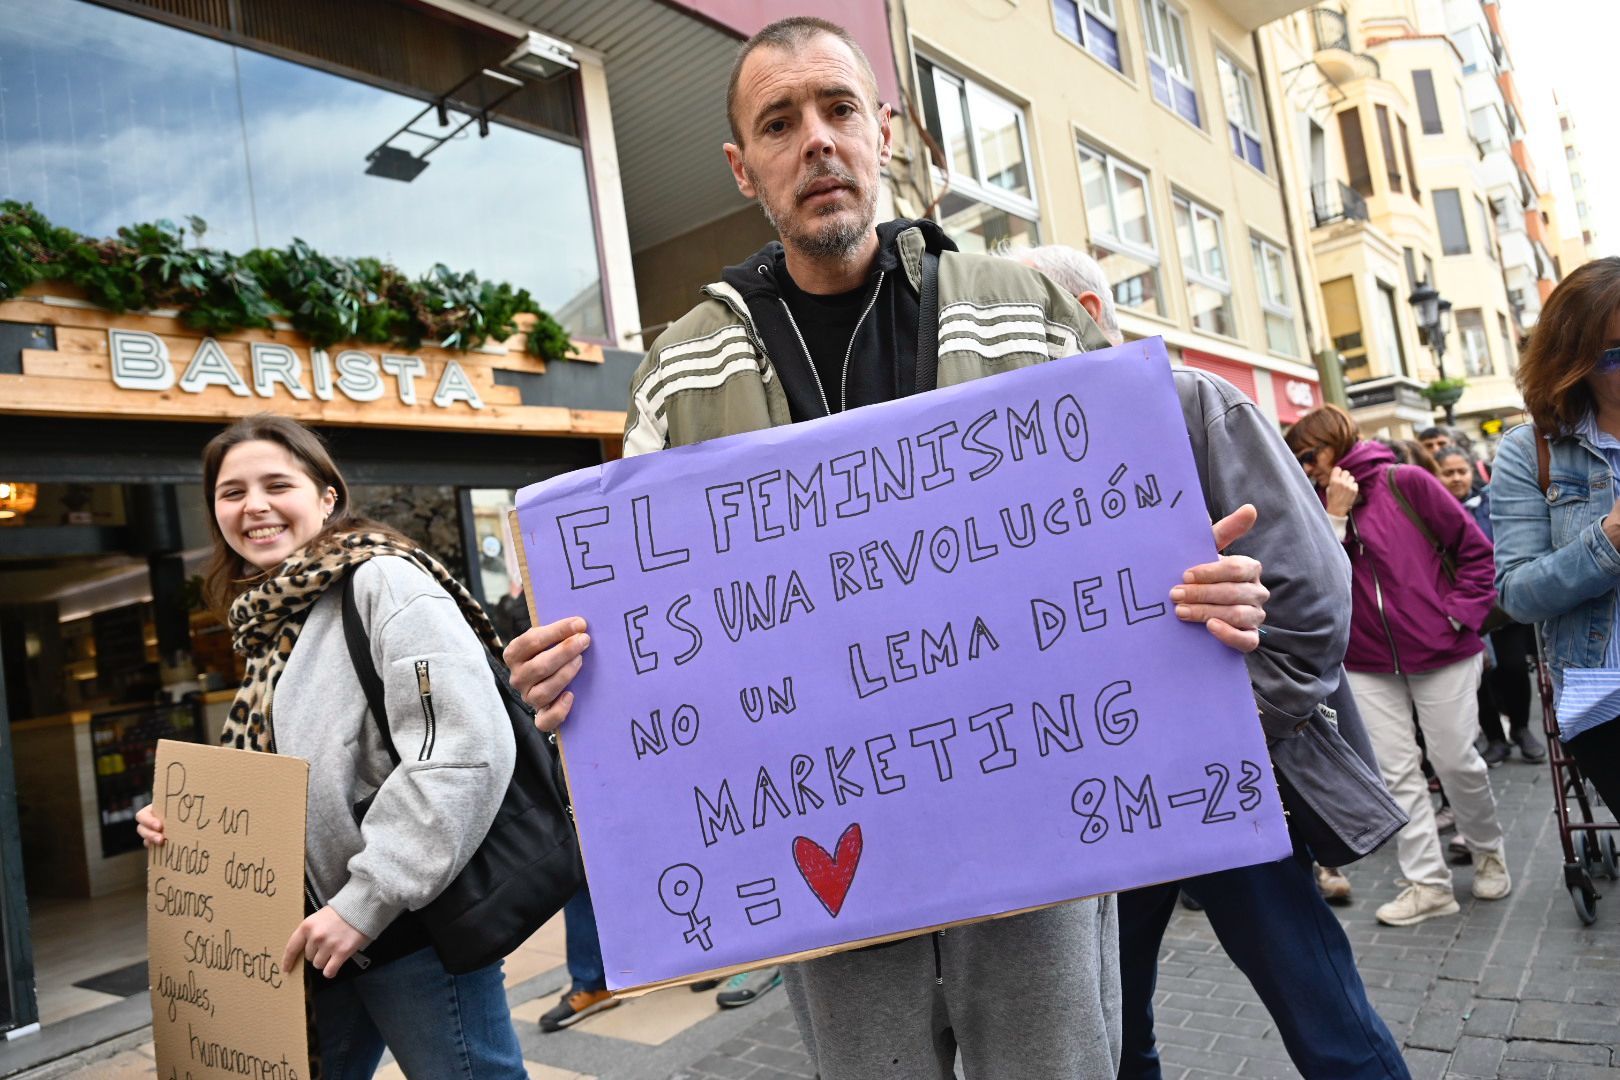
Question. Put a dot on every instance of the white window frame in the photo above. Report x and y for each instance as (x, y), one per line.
(1160, 18)
(973, 186)
(1112, 241)
(1259, 248)
(1103, 12)
(1481, 366)
(1201, 275)
(1112, 166)
(1248, 124)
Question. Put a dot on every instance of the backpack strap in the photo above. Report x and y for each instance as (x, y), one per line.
(1543, 462)
(928, 325)
(1447, 561)
(354, 635)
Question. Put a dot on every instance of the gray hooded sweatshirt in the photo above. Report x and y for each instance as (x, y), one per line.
(449, 726)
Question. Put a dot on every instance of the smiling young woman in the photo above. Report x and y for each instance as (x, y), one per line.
(287, 547)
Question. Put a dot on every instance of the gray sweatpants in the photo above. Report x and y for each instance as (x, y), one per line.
(1032, 996)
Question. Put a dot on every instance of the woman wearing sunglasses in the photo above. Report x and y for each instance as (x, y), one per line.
(1556, 517)
(1420, 588)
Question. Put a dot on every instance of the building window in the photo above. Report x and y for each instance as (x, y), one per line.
(1476, 349)
(1392, 166)
(1386, 329)
(1448, 212)
(124, 119)
(1428, 104)
(1091, 25)
(1411, 268)
(1344, 327)
(1203, 264)
(990, 198)
(1242, 117)
(1406, 152)
(1510, 349)
(1485, 237)
(1355, 151)
(1169, 67)
(1119, 215)
(1271, 279)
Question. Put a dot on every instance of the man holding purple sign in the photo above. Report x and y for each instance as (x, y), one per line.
(843, 313)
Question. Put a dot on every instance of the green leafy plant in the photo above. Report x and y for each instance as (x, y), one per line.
(1443, 391)
(328, 299)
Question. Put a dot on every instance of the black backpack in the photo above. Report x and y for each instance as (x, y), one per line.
(528, 864)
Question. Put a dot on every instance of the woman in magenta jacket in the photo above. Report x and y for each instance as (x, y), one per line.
(1414, 645)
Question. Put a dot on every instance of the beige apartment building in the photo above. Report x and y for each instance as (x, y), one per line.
(1403, 133)
(1136, 130)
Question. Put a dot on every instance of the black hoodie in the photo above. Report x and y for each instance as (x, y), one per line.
(883, 358)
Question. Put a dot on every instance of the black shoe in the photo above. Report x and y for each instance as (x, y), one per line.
(702, 985)
(1496, 753)
(1530, 747)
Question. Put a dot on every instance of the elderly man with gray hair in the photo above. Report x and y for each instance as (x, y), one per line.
(1081, 276)
(1270, 918)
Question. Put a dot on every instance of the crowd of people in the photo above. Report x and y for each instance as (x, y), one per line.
(1357, 578)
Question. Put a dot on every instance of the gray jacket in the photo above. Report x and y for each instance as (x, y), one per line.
(1242, 459)
(432, 811)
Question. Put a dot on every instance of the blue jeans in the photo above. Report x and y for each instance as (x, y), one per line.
(584, 947)
(438, 1025)
(1276, 928)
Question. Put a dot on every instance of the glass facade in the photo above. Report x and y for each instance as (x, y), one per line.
(107, 119)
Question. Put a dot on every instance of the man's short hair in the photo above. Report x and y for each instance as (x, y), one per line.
(1434, 433)
(1076, 272)
(790, 35)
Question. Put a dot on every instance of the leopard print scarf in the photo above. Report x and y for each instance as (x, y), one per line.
(266, 620)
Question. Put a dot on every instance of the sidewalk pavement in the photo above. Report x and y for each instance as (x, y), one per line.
(1516, 988)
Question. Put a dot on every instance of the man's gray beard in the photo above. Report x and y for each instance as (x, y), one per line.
(833, 240)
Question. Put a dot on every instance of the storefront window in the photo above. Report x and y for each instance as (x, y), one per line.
(108, 119)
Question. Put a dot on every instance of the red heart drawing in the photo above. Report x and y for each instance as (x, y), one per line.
(829, 876)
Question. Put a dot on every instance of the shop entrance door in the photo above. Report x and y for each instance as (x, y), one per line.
(19, 1009)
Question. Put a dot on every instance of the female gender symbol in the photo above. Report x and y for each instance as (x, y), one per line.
(679, 888)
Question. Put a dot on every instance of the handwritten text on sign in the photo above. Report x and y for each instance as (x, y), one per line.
(897, 668)
(224, 893)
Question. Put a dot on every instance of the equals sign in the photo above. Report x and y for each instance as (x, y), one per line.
(1188, 798)
(764, 910)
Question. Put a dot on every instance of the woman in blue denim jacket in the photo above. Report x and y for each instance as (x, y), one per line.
(1558, 552)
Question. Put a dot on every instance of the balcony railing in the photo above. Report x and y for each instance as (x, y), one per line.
(1332, 29)
(1335, 200)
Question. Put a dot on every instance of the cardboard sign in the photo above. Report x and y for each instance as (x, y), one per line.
(224, 893)
(898, 668)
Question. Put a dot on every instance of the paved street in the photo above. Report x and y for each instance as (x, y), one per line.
(1516, 988)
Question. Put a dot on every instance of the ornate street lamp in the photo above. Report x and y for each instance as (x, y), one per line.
(1434, 319)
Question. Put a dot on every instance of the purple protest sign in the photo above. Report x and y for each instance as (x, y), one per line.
(894, 669)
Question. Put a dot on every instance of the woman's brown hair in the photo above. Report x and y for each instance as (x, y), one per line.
(227, 575)
(1570, 334)
(1329, 426)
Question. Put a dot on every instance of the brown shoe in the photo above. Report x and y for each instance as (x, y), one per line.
(1333, 885)
(575, 1007)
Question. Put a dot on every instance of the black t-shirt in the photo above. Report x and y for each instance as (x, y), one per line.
(827, 322)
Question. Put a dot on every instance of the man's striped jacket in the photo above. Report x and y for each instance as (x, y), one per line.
(708, 374)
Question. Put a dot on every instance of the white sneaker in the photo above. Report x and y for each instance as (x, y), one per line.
(1417, 903)
(1491, 881)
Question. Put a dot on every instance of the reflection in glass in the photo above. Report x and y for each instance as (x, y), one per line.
(980, 228)
(952, 101)
(1135, 282)
(107, 119)
(1001, 144)
(1131, 204)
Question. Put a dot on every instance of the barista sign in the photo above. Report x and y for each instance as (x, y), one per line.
(140, 361)
(93, 363)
